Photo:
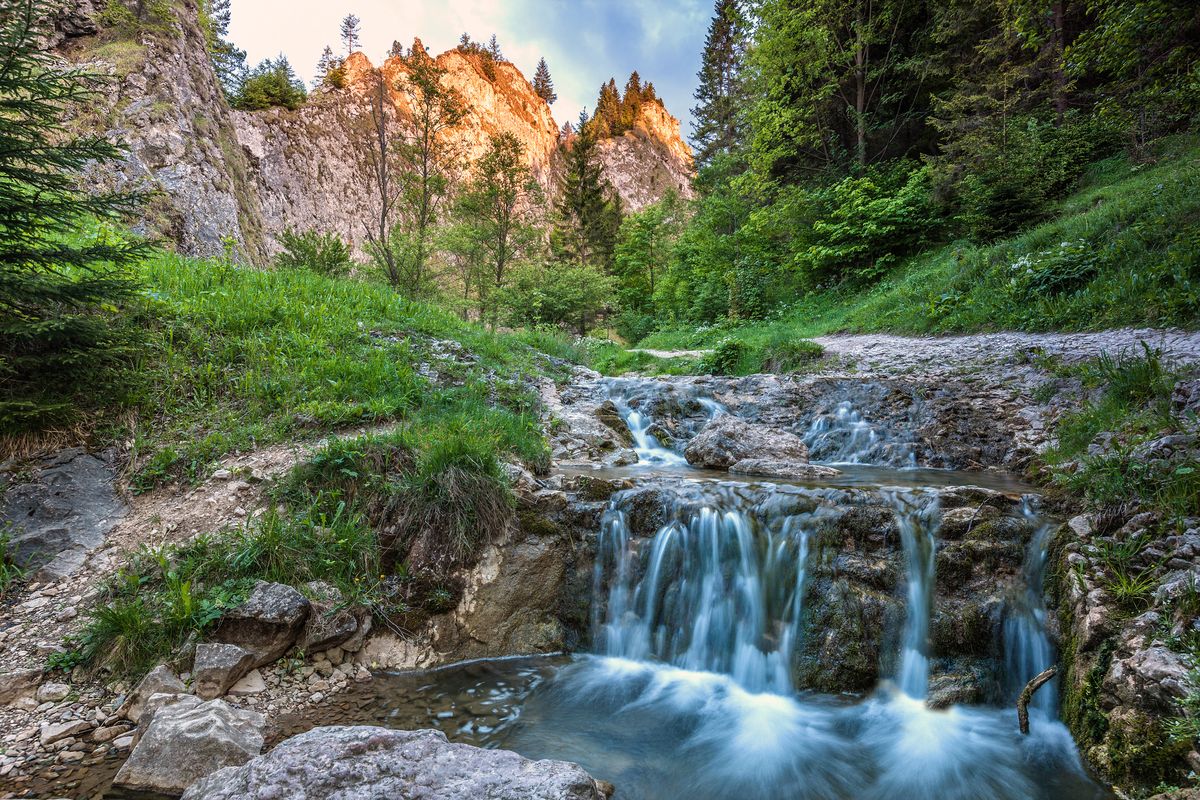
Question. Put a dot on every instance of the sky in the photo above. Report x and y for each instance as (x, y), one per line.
(584, 42)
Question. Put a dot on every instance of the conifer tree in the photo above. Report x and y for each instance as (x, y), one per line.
(229, 61)
(607, 121)
(57, 330)
(351, 30)
(543, 84)
(272, 83)
(631, 103)
(589, 209)
(493, 49)
(396, 50)
(717, 125)
(325, 64)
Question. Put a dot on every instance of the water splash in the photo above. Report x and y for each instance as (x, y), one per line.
(715, 591)
(624, 394)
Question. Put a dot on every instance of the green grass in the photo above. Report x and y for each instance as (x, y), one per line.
(164, 598)
(239, 358)
(1122, 250)
(1134, 404)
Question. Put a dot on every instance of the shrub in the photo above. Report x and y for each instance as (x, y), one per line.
(862, 225)
(725, 357)
(272, 83)
(323, 253)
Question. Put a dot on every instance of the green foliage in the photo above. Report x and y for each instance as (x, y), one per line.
(323, 253)
(644, 249)
(12, 574)
(589, 210)
(718, 118)
(565, 295)
(1015, 174)
(543, 84)
(273, 83)
(59, 296)
(143, 15)
(724, 358)
(860, 226)
(165, 598)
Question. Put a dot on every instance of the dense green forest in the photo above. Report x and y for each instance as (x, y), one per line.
(903, 154)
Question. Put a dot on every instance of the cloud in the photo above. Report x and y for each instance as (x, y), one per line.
(585, 42)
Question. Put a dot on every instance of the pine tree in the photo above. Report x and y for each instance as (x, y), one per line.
(493, 49)
(607, 121)
(589, 209)
(543, 84)
(229, 61)
(272, 83)
(631, 103)
(351, 29)
(57, 332)
(720, 96)
(396, 50)
(325, 65)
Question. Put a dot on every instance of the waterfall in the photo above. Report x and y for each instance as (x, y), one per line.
(713, 591)
(1027, 648)
(917, 519)
(647, 446)
(846, 437)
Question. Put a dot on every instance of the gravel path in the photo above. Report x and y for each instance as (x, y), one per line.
(882, 353)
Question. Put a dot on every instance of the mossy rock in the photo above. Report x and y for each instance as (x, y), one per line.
(608, 415)
(966, 629)
(537, 524)
(1138, 752)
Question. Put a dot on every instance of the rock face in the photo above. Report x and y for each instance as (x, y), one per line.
(245, 177)
(187, 741)
(357, 763)
(63, 513)
(727, 440)
(267, 624)
(218, 667)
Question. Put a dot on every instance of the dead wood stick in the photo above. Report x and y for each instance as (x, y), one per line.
(1027, 695)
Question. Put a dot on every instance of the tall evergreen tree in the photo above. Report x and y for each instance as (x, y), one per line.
(543, 84)
(631, 103)
(589, 209)
(396, 50)
(493, 49)
(272, 83)
(229, 61)
(720, 96)
(607, 121)
(350, 31)
(325, 65)
(56, 332)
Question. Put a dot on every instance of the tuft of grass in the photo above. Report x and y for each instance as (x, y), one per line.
(166, 598)
(12, 574)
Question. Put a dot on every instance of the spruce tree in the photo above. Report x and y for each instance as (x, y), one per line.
(325, 64)
(607, 121)
(396, 50)
(717, 125)
(631, 103)
(493, 49)
(543, 84)
(351, 30)
(229, 61)
(57, 288)
(589, 210)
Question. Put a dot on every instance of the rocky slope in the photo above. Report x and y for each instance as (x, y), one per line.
(241, 178)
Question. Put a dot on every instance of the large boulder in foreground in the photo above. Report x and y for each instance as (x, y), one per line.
(727, 440)
(189, 740)
(357, 763)
(267, 624)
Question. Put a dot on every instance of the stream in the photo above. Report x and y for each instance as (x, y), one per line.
(688, 691)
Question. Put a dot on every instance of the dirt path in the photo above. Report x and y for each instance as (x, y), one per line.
(886, 354)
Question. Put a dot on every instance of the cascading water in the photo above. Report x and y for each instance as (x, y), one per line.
(844, 436)
(917, 519)
(699, 625)
(1027, 648)
(649, 449)
(713, 591)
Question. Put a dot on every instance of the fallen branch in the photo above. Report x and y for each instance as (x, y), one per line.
(1027, 695)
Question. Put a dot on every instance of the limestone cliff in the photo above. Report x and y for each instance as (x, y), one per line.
(225, 176)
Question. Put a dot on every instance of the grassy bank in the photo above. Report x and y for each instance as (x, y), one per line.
(237, 358)
(1124, 249)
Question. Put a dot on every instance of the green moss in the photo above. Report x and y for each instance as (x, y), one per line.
(534, 523)
(1140, 753)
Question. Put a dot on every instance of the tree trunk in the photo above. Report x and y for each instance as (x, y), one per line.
(860, 84)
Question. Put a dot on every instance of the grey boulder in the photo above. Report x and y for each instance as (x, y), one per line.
(727, 440)
(219, 666)
(773, 468)
(369, 763)
(267, 624)
(160, 680)
(186, 741)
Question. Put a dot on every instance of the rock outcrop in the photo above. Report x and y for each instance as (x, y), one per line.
(728, 440)
(357, 763)
(267, 624)
(240, 178)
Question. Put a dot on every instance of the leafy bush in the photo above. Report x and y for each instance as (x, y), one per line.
(1012, 177)
(323, 253)
(862, 225)
(725, 357)
(789, 355)
(568, 295)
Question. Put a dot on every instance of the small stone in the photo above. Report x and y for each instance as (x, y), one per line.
(250, 684)
(55, 732)
(53, 692)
